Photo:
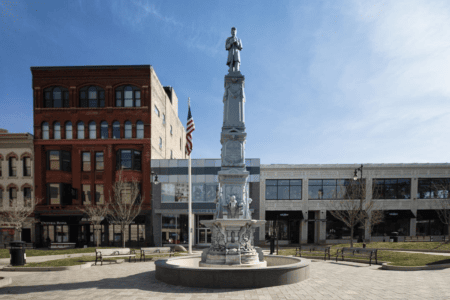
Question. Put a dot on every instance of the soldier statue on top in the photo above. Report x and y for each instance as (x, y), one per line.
(233, 45)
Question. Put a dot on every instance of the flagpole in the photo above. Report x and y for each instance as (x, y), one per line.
(190, 197)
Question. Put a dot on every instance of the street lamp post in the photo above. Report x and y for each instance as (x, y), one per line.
(355, 177)
(156, 182)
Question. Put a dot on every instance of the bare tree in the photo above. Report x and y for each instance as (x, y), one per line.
(375, 217)
(96, 214)
(126, 203)
(441, 191)
(349, 210)
(16, 214)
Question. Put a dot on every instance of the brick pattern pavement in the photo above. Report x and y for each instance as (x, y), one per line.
(329, 280)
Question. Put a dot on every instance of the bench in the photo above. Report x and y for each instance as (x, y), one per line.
(151, 251)
(358, 253)
(313, 249)
(120, 252)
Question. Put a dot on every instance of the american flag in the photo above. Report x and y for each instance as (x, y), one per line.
(190, 128)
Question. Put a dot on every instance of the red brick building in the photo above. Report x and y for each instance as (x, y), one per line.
(88, 122)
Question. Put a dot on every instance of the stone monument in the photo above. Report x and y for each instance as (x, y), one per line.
(233, 227)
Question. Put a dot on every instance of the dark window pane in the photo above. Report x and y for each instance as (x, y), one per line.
(140, 130)
(271, 182)
(283, 182)
(66, 99)
(137, 160)
(99, 166)
(125, 159)
(104, 130)
(404, 189)
(329, 192)
(102, 102)
(295, 192)
(128, 129)
(271, 192)
(116, 130)
(283, 192)
(93, 103)
(66, 161)
(128, 95)
(102, 94)
(313, 192)
(296, 182)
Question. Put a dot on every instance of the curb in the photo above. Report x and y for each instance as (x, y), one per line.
(414, 250)
(38, 269)
(4, 281)
(385, 266)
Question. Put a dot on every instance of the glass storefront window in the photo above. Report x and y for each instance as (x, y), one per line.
(174, 229)
(170, 230)
(281, 226)
(198, 192)
(179, 192)
(168, 192)
(203, 233)
(286, 189)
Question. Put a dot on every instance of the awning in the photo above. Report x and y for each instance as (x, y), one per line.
(284, 215)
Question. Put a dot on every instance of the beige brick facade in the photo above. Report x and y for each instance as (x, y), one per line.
(17, 146)
(168, 134)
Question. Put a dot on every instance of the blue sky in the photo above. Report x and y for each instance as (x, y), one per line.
(326, 81)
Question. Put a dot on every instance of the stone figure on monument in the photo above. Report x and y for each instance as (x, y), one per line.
(233, 208)
(217, 201)
(233, 45)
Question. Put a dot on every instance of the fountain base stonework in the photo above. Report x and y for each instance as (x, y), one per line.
(231, 244)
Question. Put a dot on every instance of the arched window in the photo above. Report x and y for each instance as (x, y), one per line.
(104, 130)
(128, 96)
(56, 97)
(57, 131)
(92, 130)
(140, 130)
(128, 130)
(92, 96)
(57, 101)
(45, 131)
(93, 99)
(116, 130)
(69, 130)
(80, 128)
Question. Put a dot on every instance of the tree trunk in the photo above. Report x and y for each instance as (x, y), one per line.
(448, 228)
(351, 237)
(97, 238)
(123, 236)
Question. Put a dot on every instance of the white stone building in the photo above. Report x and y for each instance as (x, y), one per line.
(300, 197)
(16, 179)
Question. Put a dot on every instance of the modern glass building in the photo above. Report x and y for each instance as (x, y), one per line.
(170, 198)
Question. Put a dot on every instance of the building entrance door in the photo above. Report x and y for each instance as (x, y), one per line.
(294, 227)
(203, 233)
(311, 232)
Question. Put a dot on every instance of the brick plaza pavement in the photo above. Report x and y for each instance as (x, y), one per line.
(329, 280)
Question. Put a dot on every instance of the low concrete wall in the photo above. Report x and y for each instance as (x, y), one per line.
(185, 271)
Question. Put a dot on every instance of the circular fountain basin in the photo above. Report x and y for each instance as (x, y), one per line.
(185, 271)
